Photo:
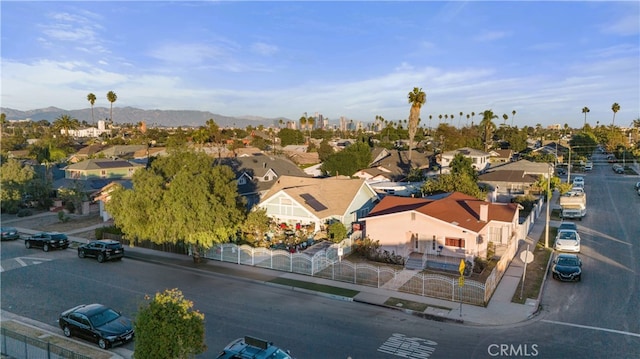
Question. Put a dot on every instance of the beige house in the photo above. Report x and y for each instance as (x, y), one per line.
(316, 201)
(454, 225)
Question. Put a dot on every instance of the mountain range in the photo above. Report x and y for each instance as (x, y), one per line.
(153, 118)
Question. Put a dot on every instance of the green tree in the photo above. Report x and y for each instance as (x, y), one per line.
(201, 199)
(92, 100)
(14, 181)
(325, 150)
(65, 123)
(615, 108)
(255, 226)
(463, 165)
(454, 182)
(290, 137)
(348, 161)
(488, 127)
(416, 98)
(168, 327)
(585, 110)
(111, 97)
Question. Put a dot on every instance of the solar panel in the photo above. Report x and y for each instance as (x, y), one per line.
(313, 202)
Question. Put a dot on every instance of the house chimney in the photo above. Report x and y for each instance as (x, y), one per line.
(484, 212)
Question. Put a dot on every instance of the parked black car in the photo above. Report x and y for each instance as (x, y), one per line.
(102, 250)
(9, 234)
(567, 267)
(96, 323)
(47, 241)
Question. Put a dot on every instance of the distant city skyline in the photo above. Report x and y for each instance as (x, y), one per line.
(356, 60)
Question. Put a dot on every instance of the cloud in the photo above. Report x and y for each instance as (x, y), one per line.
(625, 26)
(262, 48)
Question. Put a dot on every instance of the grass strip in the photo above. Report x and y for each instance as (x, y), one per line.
(535, 270)
(406, 304)
(316, 287)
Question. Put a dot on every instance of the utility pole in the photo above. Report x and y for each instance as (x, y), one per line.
(546, 232)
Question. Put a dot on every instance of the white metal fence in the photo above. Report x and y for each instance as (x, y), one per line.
(327, 264)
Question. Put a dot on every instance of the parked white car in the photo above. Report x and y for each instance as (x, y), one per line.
(567, 240)
(578, 181)
(588, 166)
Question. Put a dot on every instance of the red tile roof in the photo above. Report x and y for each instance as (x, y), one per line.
(457, 208)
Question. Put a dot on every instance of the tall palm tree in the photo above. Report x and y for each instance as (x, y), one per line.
(505, 117)
(439, 119)
(92, 100)
(468, 115)
(303, 122)
(473, 115)
(66, 123)
(615, 108)
(111, 97)
(513, 114)
(430, 118)
(488, 127)
(585, 110)
(311, 121)
(460, 118)
(416, 98)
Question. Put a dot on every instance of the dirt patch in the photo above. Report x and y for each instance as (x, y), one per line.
(49, 222)
(39, 334)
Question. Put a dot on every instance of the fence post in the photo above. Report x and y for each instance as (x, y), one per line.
(48, 350)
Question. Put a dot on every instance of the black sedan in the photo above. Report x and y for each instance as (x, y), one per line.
(97, 323)
(102, 250)
(567, 267)
(9, 233)
(47, 241)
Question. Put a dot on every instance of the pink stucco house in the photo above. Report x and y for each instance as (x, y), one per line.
(454, 226)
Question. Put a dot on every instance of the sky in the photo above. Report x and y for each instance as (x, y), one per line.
(546, 60)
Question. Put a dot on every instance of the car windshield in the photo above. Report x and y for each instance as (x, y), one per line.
(566, 261)
(567, 235)
(104, 317)
(58, 236)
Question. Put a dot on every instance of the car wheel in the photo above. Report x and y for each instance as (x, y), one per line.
(578, 278)
(27, 244)
(100, 257)
(103, 344)
(81, 253)
(66, 331)
(45, 248)
(555, 276)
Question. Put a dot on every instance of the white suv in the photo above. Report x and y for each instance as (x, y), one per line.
(578, 181)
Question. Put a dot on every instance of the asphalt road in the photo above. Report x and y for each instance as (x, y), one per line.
(596, 318)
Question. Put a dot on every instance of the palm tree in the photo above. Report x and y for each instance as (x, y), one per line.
(615, 108)
(111, 97)
(280, 122)
(513, 114)
(430, 118)
(92, 100)
(468, 119)
(459, 119)
(439, 119)
(504, 118)
(416, 98)
(66, 123)
(473, 115)
(585, 110)
(488, 127)
(303, 122)
(311, 121)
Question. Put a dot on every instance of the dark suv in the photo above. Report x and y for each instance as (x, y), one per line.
(102, 250)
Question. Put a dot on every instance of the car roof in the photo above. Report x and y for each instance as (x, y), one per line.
(106, 241)
(90, 309)
(567, 255)
(248, 347)
(8, 228)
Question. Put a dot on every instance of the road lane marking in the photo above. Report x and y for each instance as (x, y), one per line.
(21, 262)
(408, 347)
(593, 328)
